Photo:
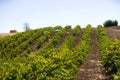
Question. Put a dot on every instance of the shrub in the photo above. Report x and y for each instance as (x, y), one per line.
(110, 23)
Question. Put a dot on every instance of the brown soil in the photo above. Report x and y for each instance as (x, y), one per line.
(77, 38)
(91, 69)
(2, 35)
(34, 44)
(68, 32)
(113, 32)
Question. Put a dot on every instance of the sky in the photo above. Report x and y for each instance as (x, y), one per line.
(43, 13)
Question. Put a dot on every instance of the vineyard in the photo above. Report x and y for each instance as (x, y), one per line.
(60, 53)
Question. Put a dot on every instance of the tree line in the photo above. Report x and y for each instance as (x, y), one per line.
(109, 23)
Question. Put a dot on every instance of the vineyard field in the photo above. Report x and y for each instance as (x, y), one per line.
(61, 53)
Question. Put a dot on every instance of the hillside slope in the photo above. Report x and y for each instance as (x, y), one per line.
(56, 53)
(113, 32)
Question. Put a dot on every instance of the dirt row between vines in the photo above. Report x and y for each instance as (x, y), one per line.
(66, 34)
(35, 43)
(91, 69)
(77, 38)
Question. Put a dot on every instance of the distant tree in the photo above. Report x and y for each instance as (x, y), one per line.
(26, 27)
(110, 23)
(115, 23)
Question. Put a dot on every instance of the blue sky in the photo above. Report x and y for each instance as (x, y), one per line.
(42, 13)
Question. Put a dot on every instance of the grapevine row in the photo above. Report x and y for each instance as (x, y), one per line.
(52, 63)
(110, 53)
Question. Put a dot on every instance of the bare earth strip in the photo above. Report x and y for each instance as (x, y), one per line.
(91, 69)
(113, 32)
(77, 38)
(2, 35)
